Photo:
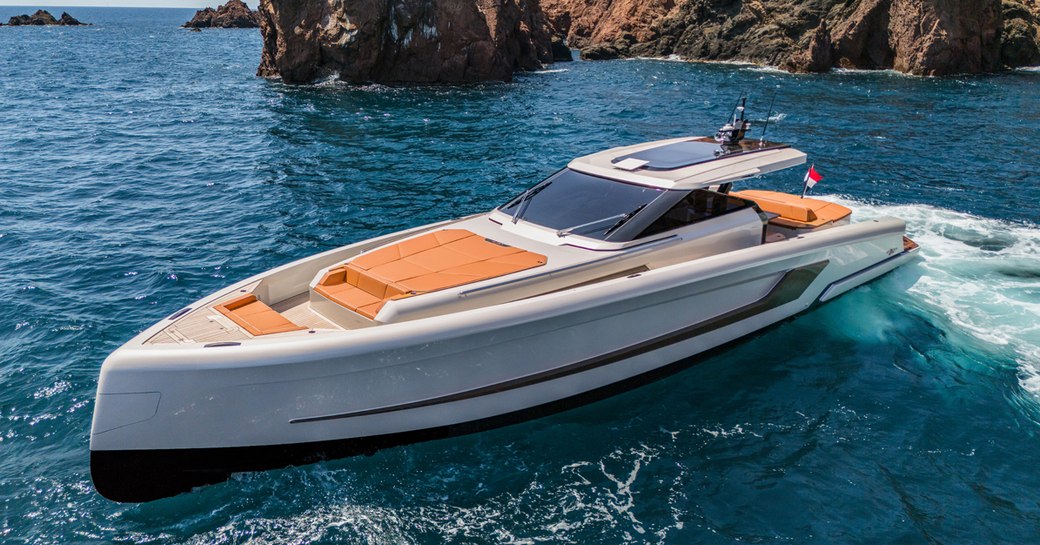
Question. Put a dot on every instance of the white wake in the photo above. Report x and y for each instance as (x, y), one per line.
(981, 279)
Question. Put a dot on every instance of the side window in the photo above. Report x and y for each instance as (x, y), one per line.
(698, 205)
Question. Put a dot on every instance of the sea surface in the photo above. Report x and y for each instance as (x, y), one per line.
(143, 166)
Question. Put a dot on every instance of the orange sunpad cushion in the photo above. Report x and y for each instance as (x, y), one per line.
(255, 317)
(812, 212)
(430, 262)
(408, 247)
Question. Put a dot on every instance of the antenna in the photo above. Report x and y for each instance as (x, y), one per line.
(742, 97)
(768, 115)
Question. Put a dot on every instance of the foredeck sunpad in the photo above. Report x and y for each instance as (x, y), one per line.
(255, 317)
(794, 210)
(430, 262)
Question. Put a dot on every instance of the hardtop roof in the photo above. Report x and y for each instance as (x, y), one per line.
(688, 162)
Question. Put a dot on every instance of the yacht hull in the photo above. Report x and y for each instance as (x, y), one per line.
(168, 419)
(146, 475)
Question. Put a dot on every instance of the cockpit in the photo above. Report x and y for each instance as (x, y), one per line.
(575, 203)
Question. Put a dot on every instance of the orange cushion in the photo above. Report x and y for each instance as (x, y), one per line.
(334, 276)
(396, 271)
(349, 296)
(370, 311)
(440, 258)
(480, 248)
(408, 247)
(255, 317)
(438, 281)
(810, 212)
(429, 262)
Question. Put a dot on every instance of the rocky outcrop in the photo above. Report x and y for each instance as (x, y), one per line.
(762, 31)
(560, 51)
(602, 52)
(617, 23)
(42, 17)
(931, 37)
(68, 20)
(1020, 45)
(926, 37)
(817, 57)
(234, 14)
(403, 41)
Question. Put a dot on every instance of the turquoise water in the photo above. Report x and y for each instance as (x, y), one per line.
(143, 166)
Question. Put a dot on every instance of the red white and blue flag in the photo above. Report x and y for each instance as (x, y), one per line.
(811, 179)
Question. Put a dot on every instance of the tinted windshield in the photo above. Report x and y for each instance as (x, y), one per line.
(570, 198)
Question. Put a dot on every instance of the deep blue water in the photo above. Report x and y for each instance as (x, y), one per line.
(143, 166)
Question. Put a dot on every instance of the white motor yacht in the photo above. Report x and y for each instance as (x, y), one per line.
(615, 271)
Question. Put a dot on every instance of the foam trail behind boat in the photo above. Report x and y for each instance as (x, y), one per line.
(979, 277)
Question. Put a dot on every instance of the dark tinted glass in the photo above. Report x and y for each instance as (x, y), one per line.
(679, 154)
(692, 152)
(571, 198)
(699, 205)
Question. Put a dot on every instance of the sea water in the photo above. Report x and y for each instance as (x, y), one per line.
(143, 166)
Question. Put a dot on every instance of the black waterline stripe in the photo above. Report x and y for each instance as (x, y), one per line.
(790, 287)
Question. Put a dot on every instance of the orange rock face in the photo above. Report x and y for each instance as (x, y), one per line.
(429, 41)
(409, 41)
(594, 22)
(926, 37)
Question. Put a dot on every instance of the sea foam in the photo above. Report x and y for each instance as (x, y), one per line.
(980, 278)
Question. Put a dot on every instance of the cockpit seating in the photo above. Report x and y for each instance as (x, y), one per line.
(793, 211)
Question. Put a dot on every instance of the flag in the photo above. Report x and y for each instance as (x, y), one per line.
(811, 178)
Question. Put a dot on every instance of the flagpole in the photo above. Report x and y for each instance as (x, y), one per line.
(805, 181)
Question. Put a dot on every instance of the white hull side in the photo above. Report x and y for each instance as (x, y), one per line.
(186, 397)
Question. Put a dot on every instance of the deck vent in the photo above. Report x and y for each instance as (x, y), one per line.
(179, 313)
(222, 343)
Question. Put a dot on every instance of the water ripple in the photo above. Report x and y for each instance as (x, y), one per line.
(144, 166)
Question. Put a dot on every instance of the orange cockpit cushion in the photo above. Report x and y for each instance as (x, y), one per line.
(795, 211)
(256, 317)
(430, 262)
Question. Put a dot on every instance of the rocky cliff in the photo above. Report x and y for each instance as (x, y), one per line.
(402, 41)
(427, 41)
(926, 37)
(234, 14)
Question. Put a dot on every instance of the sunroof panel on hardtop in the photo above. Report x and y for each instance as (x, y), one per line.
(692, 152)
